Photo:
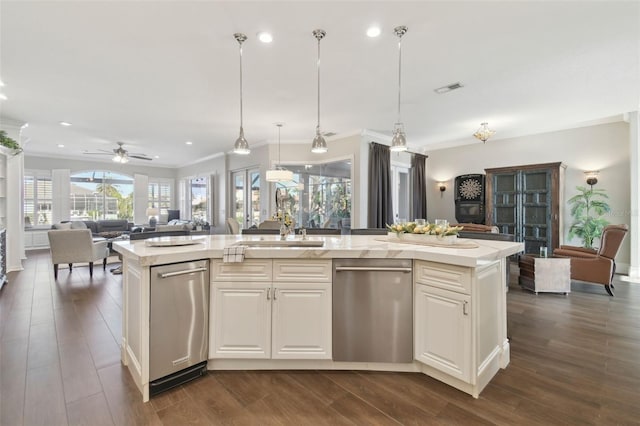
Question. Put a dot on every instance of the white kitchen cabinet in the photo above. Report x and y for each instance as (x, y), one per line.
(443, 330)
(301, 326)
(241, 320)
(284, 315)
(460, 335)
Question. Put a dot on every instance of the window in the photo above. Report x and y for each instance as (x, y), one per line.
(160, 196)
(37, 199)
(319, 195)
(246, 197)
(199, 200)
(99, 195)
(400, 196)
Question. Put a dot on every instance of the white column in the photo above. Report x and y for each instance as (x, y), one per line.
(61, 193)
(140, 198)
(15, 220)
(634, 225)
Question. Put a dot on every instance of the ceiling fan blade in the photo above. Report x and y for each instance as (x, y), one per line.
(139, 157)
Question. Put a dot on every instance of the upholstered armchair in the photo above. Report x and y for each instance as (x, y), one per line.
(596, 266)
(76, 245)
(233, 227)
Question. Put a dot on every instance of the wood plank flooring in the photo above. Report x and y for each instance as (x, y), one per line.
(574, 360)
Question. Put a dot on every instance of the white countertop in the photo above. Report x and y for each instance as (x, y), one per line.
(345, 246)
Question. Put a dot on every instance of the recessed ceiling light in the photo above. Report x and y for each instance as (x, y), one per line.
(1, 83)
(265, 37)
(189, 143)
(65, 123)
(3, 96)
(373, 31)
(156, 156)
(60, 145)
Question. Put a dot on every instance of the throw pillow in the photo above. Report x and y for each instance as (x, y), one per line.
(66, 225)
(76, 224)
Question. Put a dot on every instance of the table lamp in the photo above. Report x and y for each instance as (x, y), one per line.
(152, 212)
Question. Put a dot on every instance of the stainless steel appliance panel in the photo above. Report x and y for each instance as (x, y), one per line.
(372, 310)
(178, 317)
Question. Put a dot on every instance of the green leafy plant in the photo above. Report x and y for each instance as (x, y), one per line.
(587, 209)
(7, 142)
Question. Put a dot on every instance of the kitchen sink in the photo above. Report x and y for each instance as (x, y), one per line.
(280, 243)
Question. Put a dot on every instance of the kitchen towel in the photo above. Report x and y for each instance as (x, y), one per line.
(233, 254)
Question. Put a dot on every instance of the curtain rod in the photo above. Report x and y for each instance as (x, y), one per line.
(407, 151)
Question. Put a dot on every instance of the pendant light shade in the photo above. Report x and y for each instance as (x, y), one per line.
(241, 146)
(278, 174)
(399, 140)
(319, 145)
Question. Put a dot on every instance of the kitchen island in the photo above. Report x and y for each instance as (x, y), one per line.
(274, 309)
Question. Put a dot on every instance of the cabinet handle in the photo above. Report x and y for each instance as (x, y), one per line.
(268, 293)
(464, 308)
(275, 290)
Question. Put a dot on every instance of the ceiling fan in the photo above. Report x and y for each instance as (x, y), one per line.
(120, 155)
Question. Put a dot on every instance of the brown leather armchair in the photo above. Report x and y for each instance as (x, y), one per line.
(596, 266)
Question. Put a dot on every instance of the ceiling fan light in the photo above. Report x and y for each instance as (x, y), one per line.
(122, 159)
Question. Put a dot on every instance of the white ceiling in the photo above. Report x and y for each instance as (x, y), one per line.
(155, 74)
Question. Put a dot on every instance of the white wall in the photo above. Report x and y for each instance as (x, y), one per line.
(603, 147)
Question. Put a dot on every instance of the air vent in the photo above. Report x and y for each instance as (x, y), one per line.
(448, 88)
(329, 134)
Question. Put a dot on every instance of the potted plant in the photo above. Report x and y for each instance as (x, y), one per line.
(587, 209)
(7, 142)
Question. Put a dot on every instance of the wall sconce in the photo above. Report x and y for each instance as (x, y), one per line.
(442, 187)
(592, 177)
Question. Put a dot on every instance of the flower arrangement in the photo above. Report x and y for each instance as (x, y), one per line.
(287, 218)
(427, 229)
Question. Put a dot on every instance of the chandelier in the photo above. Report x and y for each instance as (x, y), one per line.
(484, 132)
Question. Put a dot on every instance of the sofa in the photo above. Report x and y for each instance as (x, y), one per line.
(98, 226)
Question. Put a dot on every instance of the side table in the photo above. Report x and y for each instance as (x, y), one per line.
(549, 274)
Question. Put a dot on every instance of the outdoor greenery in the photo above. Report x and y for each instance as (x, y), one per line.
(587, 209)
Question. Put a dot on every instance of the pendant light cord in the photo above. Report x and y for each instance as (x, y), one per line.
(240, 42)
(279, 161)
(399, 75)
(318, 64)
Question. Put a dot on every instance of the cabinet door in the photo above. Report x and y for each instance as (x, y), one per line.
(301, 321)
(443, 331)
(241, 320)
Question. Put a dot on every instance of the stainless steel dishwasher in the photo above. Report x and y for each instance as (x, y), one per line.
(372, 310)
(178, 324)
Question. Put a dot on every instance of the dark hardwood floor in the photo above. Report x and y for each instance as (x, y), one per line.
(574, 360)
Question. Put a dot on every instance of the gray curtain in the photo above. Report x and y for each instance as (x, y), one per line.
(419, 178)
(379, 208)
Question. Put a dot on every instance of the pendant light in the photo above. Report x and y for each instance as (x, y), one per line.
(319, 145)
(241, 145)
(278, 174)
(399, 140)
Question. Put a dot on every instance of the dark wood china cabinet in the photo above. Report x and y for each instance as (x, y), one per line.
(525, 201)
